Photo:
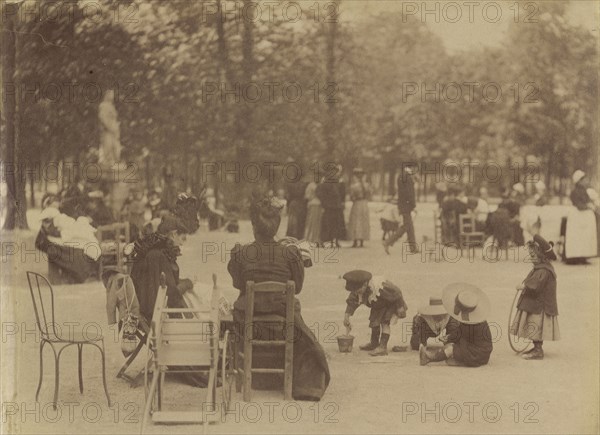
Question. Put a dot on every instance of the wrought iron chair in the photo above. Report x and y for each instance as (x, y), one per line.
(47, 326)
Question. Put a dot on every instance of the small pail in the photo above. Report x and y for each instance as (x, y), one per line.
(345, 343)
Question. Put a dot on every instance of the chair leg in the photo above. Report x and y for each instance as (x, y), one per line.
(149, 400)
(80, 366)
(43, 342)
(288, 368)
(247, 370)
(56, 375)
(161, 381)
(101, 349)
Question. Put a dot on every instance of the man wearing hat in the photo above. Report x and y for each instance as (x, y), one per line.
(406, 204)
(385, 301)
(537, 309)
(430, 322)
(470, 344)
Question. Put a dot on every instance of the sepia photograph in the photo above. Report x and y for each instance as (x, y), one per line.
(303, 216)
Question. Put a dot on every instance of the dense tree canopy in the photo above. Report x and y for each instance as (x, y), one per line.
(195, 85)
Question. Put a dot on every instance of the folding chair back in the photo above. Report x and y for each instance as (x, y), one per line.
(182, 340)
(186, 342)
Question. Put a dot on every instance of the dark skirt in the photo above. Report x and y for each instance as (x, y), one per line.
(474, 345)
(311, 371)
(66, 264)
(296, 219)
(333, 225)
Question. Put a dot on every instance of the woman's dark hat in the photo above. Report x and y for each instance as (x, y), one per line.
(356, 278)
(545, 248)
(466, 303)
(170, 223)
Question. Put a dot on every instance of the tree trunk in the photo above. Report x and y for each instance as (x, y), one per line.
(244, 131)
(16, 216)
(331, 125)
(32, 188)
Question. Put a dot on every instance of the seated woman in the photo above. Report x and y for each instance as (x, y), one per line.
(268, 260)
(452, 207)
(70, 245)
(580, 229)
(154, 254)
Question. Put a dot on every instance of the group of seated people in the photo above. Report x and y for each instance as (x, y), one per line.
(70, 220)
(271, 260)
(502, 224)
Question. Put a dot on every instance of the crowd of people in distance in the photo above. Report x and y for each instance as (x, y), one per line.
(315, 209)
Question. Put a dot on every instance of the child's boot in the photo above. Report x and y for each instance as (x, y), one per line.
(536, 353)
(374, 340)
(426, 356)
(381, 350)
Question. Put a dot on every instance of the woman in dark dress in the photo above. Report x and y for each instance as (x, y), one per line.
(332, 194)
(154, 254)
(296, 208)
(268, 260)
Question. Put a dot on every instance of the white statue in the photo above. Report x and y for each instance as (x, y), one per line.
(110, 132)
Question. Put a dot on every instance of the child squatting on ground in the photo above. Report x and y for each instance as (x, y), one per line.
(385, 301)
(537, 310)
(470, 344)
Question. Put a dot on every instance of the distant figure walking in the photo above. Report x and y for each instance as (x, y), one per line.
(406, 204)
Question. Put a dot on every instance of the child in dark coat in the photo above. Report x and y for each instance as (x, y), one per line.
(537, 310)
(470, 344)
(385, 301)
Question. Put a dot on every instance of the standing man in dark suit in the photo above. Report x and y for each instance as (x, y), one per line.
(406, 204)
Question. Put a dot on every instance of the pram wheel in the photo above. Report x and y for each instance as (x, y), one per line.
(517, 344)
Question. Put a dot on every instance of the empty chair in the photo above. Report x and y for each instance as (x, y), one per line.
(468, 236)
(42, 297)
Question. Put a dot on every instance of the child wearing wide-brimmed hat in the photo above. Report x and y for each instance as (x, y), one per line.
(430, 322)
(537, 310)
(470, 344)
(385, 301)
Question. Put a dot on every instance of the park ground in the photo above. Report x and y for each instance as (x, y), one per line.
(391, 394)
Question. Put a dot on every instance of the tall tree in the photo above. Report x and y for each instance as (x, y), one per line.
(16, 216)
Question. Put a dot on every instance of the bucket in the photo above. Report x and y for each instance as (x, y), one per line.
(345, 343)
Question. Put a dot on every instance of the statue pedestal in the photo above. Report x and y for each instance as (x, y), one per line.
(119, 180)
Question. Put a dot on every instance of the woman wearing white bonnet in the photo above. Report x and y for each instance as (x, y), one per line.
(580, 228)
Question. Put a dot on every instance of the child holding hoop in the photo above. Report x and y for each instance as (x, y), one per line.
(537, 310)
